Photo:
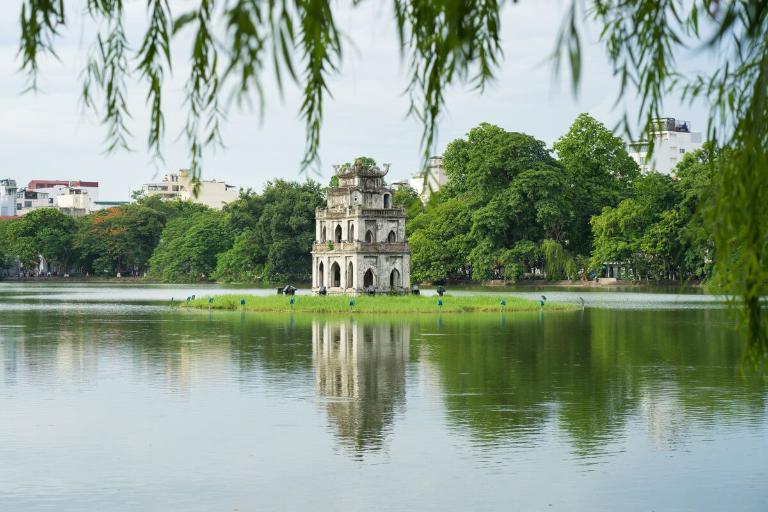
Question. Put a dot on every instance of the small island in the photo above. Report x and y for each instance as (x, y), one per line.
(373, 304)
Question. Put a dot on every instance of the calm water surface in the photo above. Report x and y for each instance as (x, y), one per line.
(110, 400)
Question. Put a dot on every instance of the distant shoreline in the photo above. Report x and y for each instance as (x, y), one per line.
(533, 283)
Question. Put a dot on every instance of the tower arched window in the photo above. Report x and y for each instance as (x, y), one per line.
(394, 279)
(369, 236)
(368, 278)
(387, 201)
(337, 236)
(391, 237)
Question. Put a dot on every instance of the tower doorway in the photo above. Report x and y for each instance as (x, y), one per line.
(368, 278)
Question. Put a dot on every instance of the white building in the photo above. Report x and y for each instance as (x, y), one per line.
(360, 237)
(672, 139)
(56, 188)
(179, 185)
(73, 198)
(8, 198)
(31, 200)
(432, 180)
(74, 202)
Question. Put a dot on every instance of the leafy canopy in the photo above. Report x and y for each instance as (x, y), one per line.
(600, 173)
(276, 230)
(46, 232)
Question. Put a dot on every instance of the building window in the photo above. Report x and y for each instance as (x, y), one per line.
(387, 201)
(682, 150)
(392, 237)
(369, 236)
(337, 237)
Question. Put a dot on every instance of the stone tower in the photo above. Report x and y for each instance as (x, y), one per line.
(360, 237)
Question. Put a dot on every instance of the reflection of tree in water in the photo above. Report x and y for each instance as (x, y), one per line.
(47, 346)
(360, 370)
(164, 349)
(590, 375)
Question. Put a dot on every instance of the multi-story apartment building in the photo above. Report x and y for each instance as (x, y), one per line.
(8, 198)
(31, 200)
(672, 138)
(431, 180)
(179, 185)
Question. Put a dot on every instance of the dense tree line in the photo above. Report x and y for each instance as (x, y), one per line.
(513, 208)
(258, 238)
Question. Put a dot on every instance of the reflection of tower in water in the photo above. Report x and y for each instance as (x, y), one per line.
(360, 372)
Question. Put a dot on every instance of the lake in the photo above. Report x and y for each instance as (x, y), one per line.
(112, 400)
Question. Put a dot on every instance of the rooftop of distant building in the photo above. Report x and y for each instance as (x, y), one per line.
(36, 184)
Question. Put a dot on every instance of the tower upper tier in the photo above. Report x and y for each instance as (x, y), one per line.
(360, 185)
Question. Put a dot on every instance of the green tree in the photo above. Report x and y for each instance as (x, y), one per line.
(504, 188)
(600, 173)
(407, 198)
(189, 247)
(641, 231)
(170, 208)
(46, 232)
(489, 159)
(276, 230)
(695, 174)
(5, 247)
(119, 239)
(440, 241)
(557, 262)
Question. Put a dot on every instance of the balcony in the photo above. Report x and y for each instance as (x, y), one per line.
(362, 247)
(323, 213)
(383, 212)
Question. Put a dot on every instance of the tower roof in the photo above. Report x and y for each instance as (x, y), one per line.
(360, 169)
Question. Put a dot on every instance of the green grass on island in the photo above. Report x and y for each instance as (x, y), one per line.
(375, 304)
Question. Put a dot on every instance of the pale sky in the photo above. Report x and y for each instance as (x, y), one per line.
(47, 136)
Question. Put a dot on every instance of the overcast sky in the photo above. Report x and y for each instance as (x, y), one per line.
(46, 135)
